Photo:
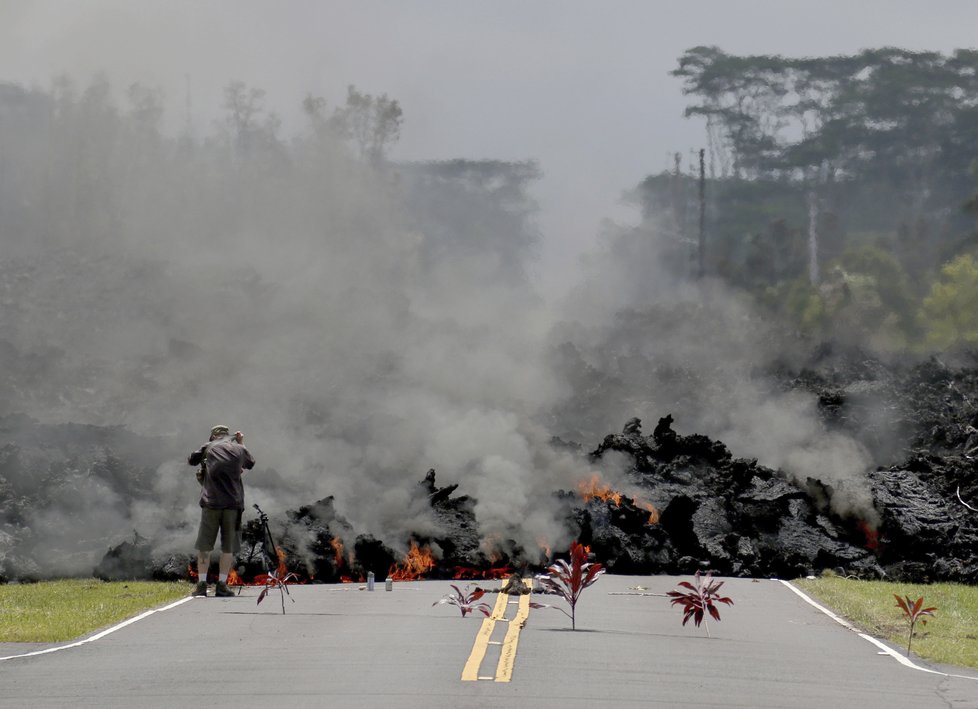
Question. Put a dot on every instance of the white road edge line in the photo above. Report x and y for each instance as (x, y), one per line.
(902, 659)
(102, 634)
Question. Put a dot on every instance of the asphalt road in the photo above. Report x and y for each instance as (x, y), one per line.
(338, 646)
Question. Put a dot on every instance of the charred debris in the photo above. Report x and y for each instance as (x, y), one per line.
(694, 506)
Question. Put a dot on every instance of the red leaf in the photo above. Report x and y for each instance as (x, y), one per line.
(701, 598)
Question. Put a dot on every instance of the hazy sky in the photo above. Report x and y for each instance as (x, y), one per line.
(582, 87)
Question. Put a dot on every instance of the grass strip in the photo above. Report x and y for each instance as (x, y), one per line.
(950, 637)
(55, 611)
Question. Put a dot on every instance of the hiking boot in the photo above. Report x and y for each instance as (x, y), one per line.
(221, 590)
(200, 589)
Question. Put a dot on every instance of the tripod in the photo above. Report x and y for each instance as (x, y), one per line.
(269, 555)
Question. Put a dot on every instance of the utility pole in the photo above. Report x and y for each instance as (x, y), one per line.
(813, 275)
(679, 203)
(702, 241)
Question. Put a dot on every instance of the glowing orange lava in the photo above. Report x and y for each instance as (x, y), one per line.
(416, 564)
(872, 535)
(337, 551)
(471, 572)
(648, 507)
(596, 488)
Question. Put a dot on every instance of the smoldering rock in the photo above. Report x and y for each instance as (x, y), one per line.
(715, 511)
(458, 536)
(731, 515)
(925, 533)
(456, 543)
(312, 540)
(79, 478)
(893, 407)
(136, 559)
(126, 561)
(320, 544)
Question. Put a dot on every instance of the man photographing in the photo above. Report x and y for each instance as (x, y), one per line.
(223, 460)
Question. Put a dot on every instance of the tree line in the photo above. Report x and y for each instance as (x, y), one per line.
(83, 165)
(131, 248)
(840, 189)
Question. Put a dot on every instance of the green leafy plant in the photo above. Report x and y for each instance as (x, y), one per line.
(272, 582)
(466, 601)
(913, 611)
(568, 579)
(700, 598)
(948, 312)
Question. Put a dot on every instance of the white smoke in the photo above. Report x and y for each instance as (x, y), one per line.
(290, 291)
(668, 344)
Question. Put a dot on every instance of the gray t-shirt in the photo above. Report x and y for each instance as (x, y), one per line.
(225, 459)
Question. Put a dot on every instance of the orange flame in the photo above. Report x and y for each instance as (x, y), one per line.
(489, 546)
(337, 551)
(596, 488)
(417, 563)
(282, 569)
(234, 579)
(648, 507)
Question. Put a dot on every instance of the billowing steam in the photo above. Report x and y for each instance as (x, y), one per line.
(360, 321)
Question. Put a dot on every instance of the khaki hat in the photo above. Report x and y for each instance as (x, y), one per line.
(220, 431)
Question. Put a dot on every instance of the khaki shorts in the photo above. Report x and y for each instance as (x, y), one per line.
(228, 521)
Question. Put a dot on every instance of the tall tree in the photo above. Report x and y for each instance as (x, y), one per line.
(881, 140)
(948, 313)
(373, 123)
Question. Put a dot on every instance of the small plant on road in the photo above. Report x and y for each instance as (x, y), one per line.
(466, 601)
(568, 579)
(913, 611)
(700, 598)
(272, 581)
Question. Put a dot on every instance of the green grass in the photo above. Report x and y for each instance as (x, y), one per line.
(950, 637)
(54, 611)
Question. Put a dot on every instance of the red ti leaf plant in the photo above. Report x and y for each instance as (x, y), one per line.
(700, 598)
(568, 579)
(466, 601)
(913, 611)
(272, 581)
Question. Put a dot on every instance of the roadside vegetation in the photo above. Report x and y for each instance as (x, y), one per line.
(55, 611)
(950, 636)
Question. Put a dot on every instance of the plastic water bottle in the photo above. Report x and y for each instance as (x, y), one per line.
(389, 584)
(370, 580)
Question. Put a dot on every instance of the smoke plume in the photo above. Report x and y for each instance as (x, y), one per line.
(360, 321)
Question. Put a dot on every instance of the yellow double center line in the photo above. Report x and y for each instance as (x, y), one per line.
(507, 650)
